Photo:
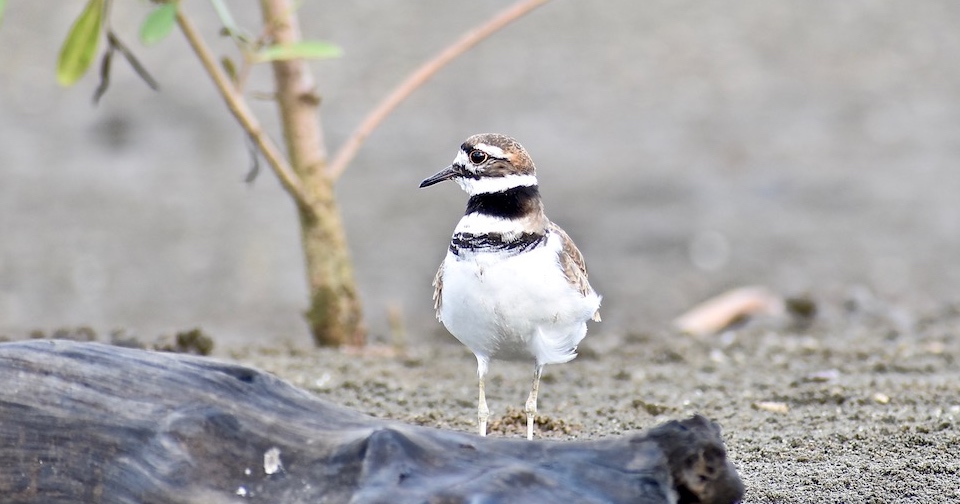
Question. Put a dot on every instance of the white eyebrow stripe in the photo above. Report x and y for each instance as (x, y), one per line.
(492, 150)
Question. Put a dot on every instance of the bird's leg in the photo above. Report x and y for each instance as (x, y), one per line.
(482, 412)
(531, 407)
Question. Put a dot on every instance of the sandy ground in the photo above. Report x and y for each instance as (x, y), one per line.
(688, 148)
(862, 405)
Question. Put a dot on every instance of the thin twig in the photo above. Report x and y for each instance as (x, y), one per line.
(238, 106)
(350, 148)
(105, 65)
(117, 44)
(114, 44)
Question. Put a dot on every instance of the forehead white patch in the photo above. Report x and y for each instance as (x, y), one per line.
(495, 184)
(462, 159)
(493, 150)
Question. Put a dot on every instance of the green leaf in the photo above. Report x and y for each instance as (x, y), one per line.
(229, 67)
(81, 44)
(158, 24)
(226, 19)
(3, 5)
(308, 49)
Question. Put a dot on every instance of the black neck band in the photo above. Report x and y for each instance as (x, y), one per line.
(494, 242)
(510, 204)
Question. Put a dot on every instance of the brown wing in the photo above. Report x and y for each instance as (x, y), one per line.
(438, 289)
(574, 267)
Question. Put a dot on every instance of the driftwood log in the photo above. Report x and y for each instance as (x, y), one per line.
(86, 422)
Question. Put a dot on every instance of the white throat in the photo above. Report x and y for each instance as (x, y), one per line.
(495, 184)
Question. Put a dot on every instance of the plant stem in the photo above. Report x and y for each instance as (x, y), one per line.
(335, 314)
(238, 107)
(349, 149)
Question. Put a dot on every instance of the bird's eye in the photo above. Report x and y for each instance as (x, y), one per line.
(477, 156)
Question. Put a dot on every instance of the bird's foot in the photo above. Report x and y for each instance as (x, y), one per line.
(531, 410)
(483, 414)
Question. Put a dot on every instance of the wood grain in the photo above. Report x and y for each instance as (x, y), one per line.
(86, 422)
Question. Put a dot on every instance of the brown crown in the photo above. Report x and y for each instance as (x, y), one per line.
(519, 161)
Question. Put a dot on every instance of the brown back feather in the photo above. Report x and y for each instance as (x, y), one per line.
(572, 263)
(438, 289)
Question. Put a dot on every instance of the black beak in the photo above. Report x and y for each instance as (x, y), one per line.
(444, 174)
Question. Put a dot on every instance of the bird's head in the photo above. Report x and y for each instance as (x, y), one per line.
(488, 163)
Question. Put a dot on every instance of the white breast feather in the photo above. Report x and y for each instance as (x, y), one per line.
(515, 307)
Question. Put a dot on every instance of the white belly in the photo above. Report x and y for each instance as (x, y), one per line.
(515, 307)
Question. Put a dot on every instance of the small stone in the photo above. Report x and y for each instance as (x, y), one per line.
(651, 408)
(826, 375)
(717, 356)
(771, 406)
(802, 308)
(881, 398)
(323, 382)
(271, 461)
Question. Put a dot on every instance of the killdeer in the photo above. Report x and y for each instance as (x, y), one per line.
(512, 286)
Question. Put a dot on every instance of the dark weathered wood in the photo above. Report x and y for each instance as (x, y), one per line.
(85, 422)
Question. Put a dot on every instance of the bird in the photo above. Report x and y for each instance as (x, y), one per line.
(512, 286)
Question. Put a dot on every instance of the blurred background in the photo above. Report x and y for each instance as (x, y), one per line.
(688, 147)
